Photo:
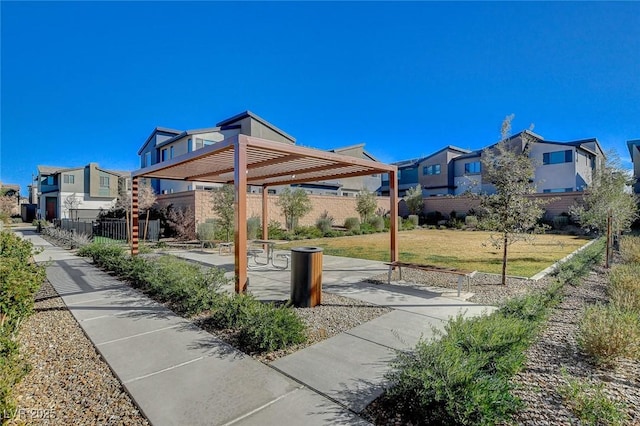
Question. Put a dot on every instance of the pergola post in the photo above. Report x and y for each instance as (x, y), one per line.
(134, 216)
(240, 181)
(265, 213)
(393, 200)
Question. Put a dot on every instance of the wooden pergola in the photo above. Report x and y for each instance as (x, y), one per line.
(245, 160)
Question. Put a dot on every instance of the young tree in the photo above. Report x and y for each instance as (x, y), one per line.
(414, 200)
(183, 222)
(123, 202)
(366, 205)
(294, 204)
(511, 209)
(607, 193)
(146, 200)
(223, 207)
(71, 202)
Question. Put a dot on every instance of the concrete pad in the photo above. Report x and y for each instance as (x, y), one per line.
(398, 329)
(346, 368)
(301, 407)
(130, 325)
(448, 309)
(132, 307)
(114, 294)
(211, 391)
(150, 353)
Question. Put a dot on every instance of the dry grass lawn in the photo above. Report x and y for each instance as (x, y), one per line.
(467, 250)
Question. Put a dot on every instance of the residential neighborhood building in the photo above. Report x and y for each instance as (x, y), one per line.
(634, 151)
(163, 144)
(346, 187)
(560, 167)
(77, 192)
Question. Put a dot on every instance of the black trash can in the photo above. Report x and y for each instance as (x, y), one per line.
(306, 276)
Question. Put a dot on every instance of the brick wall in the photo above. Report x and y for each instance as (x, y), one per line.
(338, 207)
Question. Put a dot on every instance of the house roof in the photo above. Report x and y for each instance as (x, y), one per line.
(631, 144)
(259, 119)
(188, 133)
(359, 145)
(54, 170)
(268, 163)
(415, 161)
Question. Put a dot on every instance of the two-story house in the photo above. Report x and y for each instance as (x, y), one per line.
(434, 173)
(164, 144)
(634, 152)
(77, 192)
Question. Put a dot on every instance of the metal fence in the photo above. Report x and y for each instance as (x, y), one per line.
(115, 229)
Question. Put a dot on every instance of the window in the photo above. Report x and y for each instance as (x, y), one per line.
(201, 143)
(472, 168)
(147, 159)
(68, 178)
(104, 181)
(431, 170)
(163, 155)
(557, 157)
(49, 180)
(171, 152)
(189, 145)
(556, 190)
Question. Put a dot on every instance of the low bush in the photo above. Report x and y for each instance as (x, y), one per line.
(206, 231)
(20, 279)
(607, 334)
(377, 222)
(324, 223)
(630, 249)
(560, 222)
(253, 226)
(590, 403)
(414, 219)
(580, 264)
(624, 287)
(261, 326)
(471, 221)
(352, 224)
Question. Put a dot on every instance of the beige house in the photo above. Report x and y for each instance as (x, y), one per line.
(634, 151)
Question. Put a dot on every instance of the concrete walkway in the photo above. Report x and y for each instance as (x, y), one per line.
(180, 374)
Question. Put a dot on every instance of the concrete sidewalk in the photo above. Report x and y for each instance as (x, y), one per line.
(180, 374)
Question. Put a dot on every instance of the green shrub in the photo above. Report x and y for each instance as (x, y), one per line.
(471, 221)
(377, 222)
(580, 264)
(206, 231)
(253, 226)
(20, 279)
(307, 232)
(464, 377)
(624, 287)
(352, 224)
(262, 326)
(591, 405)
(414, 219)
(324, 223)
(532, 307)
(607, 334)
(407, 224)
(630, 249)
(276, 232)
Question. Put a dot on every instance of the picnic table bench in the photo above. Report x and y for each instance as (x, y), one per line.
(431, 268)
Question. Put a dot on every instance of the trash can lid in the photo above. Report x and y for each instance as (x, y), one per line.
(306, 249)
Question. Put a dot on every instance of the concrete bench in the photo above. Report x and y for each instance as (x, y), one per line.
(431, 268)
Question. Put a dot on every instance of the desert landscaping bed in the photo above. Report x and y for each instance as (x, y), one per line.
(69, 382)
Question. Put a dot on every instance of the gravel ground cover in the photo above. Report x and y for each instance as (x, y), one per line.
(69, 383)
(556, 349)
(486, 288)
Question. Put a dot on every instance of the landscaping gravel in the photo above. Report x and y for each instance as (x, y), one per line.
(485, 288)
(556, 349)
(69, 383)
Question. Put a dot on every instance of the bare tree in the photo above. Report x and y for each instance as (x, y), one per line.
(71, 202)
(146, 200)
(511, 211)
(183, 223)
(124, 202)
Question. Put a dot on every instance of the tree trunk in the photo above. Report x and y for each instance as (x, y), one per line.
(504, 260)
(128, 228)
(146, 227)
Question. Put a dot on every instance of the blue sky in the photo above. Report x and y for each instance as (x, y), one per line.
(88, 81)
